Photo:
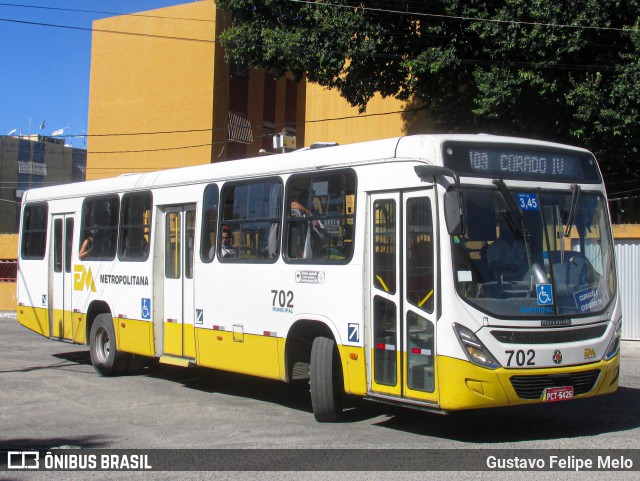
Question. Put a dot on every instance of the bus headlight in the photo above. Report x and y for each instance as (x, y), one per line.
(474, 349)
(614, 345)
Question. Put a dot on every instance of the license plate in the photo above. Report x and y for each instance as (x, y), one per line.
(554, 394)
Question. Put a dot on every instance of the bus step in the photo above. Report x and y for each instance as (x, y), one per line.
(176, 361)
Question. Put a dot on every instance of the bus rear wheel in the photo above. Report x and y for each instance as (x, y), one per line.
(106, 359)
(325, 380)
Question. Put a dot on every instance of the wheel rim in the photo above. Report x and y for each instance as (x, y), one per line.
(103, 346)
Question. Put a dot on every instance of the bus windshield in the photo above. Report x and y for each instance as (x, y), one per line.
(534, 253)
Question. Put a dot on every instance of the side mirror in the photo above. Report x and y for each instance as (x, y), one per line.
(452, 199)
(453, 212)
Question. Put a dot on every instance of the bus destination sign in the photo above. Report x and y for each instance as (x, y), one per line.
(520, 162)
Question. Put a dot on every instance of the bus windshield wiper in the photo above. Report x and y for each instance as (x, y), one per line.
(575, 197)
(516, 216)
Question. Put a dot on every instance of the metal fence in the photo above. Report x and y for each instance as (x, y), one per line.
(628, 265)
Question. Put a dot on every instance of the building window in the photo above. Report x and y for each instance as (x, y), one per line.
(8, 270)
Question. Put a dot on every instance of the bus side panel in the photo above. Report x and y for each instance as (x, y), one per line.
(33, 312)
(237, 352)
(58, 328)
(79, 321)
(135, 336)
(353, 369)
(34, 318)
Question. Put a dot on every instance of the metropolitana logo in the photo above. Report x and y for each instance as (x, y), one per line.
(83, 278)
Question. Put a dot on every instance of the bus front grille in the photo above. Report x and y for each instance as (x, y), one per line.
(549, 337)
(532, 387)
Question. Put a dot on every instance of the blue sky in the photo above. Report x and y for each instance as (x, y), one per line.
(45, 65)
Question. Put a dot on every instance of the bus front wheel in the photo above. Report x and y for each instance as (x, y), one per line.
(325, 380)
(106, 359)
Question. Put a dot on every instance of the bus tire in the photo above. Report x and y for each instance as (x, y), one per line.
(106, 359)
(325, 380)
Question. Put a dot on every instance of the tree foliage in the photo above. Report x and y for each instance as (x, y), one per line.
(564, 70)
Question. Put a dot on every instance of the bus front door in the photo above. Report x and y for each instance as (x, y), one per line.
(179, 231)
(401, 342)
(61, 278)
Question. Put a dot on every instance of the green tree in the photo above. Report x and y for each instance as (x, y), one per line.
(563, 70)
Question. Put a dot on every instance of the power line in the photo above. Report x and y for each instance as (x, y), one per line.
(117, 32)
(155, 150)
(578, 67)
(300, 122)
(317, 3)
(460, 17)
(77, 10)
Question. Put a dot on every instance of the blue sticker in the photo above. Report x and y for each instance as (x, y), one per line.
(528, 201)
(544, 293)
(199, 316)
(353, 334)
(146, 308)
(590, 299)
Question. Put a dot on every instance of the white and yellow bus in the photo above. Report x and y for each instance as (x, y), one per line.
(439, 272)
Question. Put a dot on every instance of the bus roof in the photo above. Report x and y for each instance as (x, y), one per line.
(423, 148)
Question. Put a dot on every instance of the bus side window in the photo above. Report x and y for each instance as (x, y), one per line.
(384, 258)
(135, 227)
(251, 218)
(99, 227)
(34, 231)
(320, 217)
(420, 248)
(209, 223)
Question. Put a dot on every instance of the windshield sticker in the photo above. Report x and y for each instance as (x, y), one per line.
(464, 276)
(528, 201)
(590, 299)
(536, 310)
(544, 294)
(544, 298)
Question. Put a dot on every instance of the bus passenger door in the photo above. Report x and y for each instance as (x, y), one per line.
(385, 376)
(419, 294)
(179, 231)
(60, 277)
(402, 314)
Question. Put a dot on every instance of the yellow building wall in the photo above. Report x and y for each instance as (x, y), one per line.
(330, 118)
(154, 84)
(8, 250)
(626, 231)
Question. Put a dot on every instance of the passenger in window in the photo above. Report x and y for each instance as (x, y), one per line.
(297, 209)
(310, 235)
(227, 249)
(87, 245)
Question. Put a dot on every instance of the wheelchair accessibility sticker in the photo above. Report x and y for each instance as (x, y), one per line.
(544, 293)
(145, 308)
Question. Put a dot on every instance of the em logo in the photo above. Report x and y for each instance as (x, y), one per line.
(83, 279)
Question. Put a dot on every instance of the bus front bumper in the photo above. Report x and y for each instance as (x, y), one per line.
(464, 385)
